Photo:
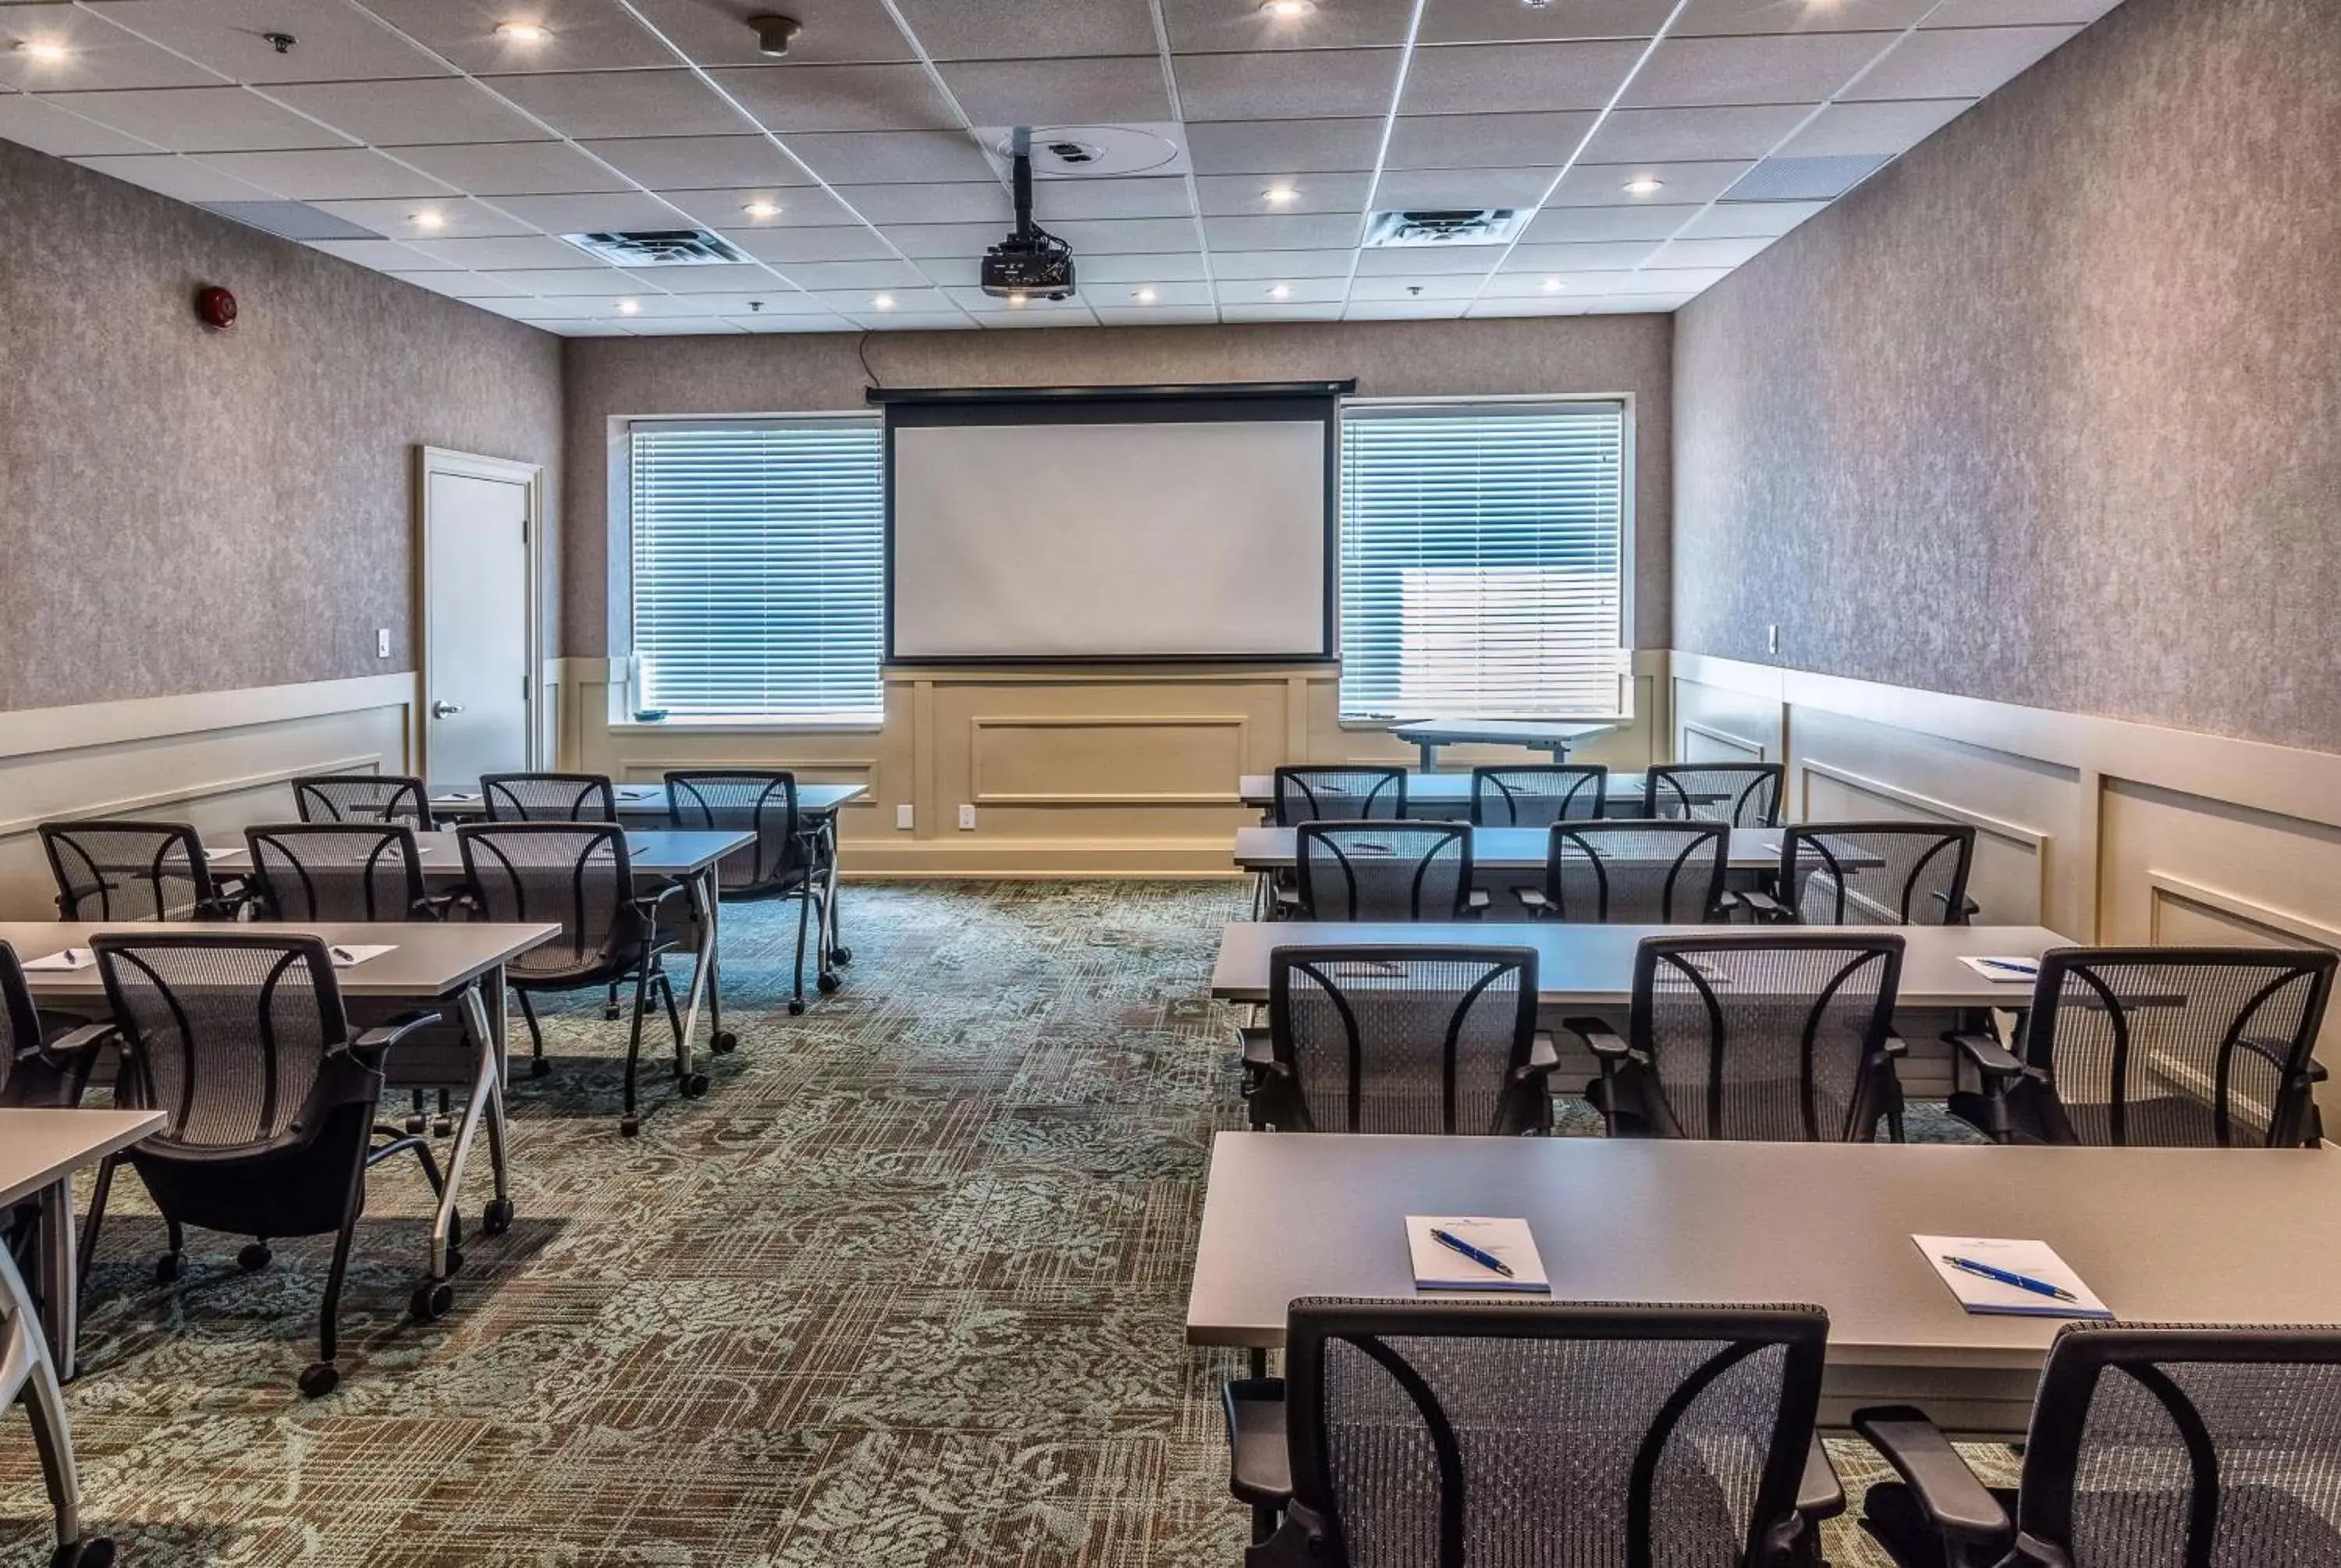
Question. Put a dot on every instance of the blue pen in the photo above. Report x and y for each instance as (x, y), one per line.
(2008, 1276)
(2029, 971)
(1457, 1243)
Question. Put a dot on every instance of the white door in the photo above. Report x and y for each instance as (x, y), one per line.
(475, 667)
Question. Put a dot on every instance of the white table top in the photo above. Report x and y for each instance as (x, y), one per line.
(427, 958)
(2216, 1236)
(1593, 965)
(1502, 732)
(1503, 849)
(1427, 792)
(458, 800)
(655, 852)
(37, 1146)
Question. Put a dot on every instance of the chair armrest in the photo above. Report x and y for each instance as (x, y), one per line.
(1954, 1501)
(1820, 1494)
(1761, 905)
(62, 1054)
(1544, 1051)
(1895, 1048)
(382, 1036)
(2275, 1053)
(1987, 1054)
(1598, 1038)
(1258, 1047)
(1477, 900)
(1259, 1465)
(1533, 900)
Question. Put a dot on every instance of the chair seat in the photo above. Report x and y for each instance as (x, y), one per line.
(2257, 1524)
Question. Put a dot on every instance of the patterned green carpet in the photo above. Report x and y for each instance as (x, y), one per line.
(905, 1288)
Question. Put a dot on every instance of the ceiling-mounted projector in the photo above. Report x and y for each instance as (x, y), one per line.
(1031, 262)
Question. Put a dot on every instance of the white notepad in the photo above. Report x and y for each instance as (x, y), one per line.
(66, 962)
(2008, 971)
(2033, 1259)
(1440, 1267)
(350, 953)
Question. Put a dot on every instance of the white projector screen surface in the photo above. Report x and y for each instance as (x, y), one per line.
(1162, 540)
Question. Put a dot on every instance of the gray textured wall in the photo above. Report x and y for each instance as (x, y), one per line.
(184, 511)
(2047, 412)
(615, 377)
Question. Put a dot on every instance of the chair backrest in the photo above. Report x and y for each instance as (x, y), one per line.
(1738, 794)
(1382, 870)
(1543, 1434)
(363, 798)
(2178, 1046)
(1628, 873)
(225, 1032)
(576, 875)
(1767, 1038)
(130, 871)
(1339, 795)
(1878, 873)
(1398, 1040)
(1537, 796)
(548, 798)
(2181, 1445)
(743, 800)
(28, 1075)
(336, 870)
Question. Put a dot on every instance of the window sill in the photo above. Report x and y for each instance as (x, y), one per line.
(1385, 725)
(747, 727)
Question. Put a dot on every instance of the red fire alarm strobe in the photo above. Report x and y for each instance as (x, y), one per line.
(216, 307)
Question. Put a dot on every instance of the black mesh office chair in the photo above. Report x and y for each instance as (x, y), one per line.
(1339, 795)
(548, 798)
(580, 876)
(789, 860)
(2149, 1445)
(1398, 1040)
(1737, 794)
(1535, 1435)
(1383, 871)
(1871, 874)
(363, 798)
(133, 871)
(1782, 1037)
(1628, 873)
(2189, 1047)
(267, 1096)
(1537, 796)
(335, 871)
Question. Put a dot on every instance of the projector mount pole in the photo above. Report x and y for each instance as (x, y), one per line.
(1021, 161)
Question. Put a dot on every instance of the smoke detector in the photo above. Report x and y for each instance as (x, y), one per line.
(658, 248)
(1446, 227)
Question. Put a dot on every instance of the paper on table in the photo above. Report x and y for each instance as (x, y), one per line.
(70, 959)
(1440, 1267)
(454, 795)
(350, 953)
(2008, 971)
(2034, 1259)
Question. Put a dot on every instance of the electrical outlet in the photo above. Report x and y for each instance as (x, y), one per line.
(903, 818)
(1771, 639)
(967, 818)
(381, 643)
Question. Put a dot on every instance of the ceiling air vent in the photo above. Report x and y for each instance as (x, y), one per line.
(1448, 226)
(658, 248)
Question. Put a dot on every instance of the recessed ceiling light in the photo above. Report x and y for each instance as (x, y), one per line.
(761, 210)
(1016, 299)
(1277, 196)
(429, 219)
(1644, 186)
(882, 302)
(524, 32)
(1285, 10)
(1281, 292)
(1553, 286)
(42, 49)
(628, 307)
(1144, 296)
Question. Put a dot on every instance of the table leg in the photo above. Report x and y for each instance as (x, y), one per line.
(838, 953)
(1430, 749)
(485, 1103)
(703, 969)
(60, 1275)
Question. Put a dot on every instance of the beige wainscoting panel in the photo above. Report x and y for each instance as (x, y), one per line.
(1106, 760)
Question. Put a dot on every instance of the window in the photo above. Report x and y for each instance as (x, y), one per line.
(759, 555)
(1482, 549)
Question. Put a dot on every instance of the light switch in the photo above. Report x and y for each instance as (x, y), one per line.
(381, 643)
(967, 818)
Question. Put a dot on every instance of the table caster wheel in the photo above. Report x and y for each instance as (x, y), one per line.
(414, 1125)
(90, 1552)
(432, 1300)
(630, 1126)
(725, 1044)
(796, 1006)
(497, 1217)
(830, 984)
(610, 1014)
(445, 1127)
(169, 1267)
(254, 1259)
(841, 956)
(320, 1379)
(693, 1086)
(538, 1066)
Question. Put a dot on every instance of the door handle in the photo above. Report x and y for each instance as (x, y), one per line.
(445, 710)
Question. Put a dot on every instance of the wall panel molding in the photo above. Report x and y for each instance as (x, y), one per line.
(984, 728)
(2278, 926)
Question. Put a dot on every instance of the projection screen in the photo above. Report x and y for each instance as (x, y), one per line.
(1108, 525)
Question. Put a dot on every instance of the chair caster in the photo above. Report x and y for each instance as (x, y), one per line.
(169, 1267)
(538, 1066)
(725, 1043)
(840, 955)
(497, 1217)
(432, 1299)
(693, 1086)
(630, 1126)
(443, 1128)
(830, 984)
(90, 1552)
(610, 1014)
(796, 1006)
(414, 1125)
(319, 1379)
(254, 1257)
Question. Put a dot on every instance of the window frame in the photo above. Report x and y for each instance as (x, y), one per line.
(1628, 516)
(625, 673)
